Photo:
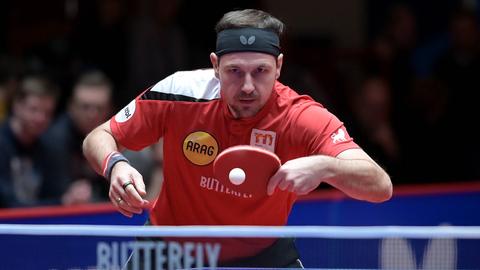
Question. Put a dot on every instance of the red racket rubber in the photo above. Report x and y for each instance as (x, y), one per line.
(257, 163)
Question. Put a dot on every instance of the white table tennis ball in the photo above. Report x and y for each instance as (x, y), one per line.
(237, 176)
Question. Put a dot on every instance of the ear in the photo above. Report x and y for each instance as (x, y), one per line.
(214, 61)
(279, 65)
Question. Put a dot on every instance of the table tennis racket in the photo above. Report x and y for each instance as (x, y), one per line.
(257, 164)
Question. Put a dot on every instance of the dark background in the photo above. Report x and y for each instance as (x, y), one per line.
(417, 118)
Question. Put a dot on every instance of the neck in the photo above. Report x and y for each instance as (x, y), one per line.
(233, 112)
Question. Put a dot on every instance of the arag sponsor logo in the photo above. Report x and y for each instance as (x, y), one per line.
(200, 148)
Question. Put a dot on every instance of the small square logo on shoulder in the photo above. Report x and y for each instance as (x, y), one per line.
(264, 139)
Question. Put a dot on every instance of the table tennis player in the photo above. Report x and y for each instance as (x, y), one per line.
(239, 101)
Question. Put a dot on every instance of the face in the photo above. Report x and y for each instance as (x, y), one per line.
(246, 80)
(34, 114)
(90, 107)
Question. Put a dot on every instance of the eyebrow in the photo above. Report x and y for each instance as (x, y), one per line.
(236, 65)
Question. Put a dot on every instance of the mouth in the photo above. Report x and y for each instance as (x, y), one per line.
(246, 101)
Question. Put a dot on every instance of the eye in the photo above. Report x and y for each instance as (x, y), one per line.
(233, 70)
(261, 70)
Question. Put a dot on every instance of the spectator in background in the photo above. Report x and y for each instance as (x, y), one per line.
(25, 168)
(458, 70)
(390, 57)
(157, 43)
(314, 68)
(372, 109)
(8, 83)
(89, 106)
(391, 51)
(100, 40)
(428, 130)
(4, 98)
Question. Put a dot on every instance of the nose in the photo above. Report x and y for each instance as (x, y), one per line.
(248, 86)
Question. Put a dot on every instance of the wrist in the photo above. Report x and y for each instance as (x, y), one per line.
(328, 168)
(110, 161)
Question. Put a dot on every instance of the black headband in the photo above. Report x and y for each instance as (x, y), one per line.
(247, 40)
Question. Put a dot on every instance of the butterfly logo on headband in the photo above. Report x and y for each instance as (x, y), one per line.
(244, 40)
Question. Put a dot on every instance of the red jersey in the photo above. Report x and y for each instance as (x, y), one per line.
(187, 110)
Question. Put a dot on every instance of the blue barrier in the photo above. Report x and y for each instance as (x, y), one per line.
(429, 205)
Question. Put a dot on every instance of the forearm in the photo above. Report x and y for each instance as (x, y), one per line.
(360, 179)
(97, 145)
(352, 171)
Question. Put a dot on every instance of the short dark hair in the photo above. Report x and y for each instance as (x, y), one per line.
(36, 85)
(250, 18)
(94, 78)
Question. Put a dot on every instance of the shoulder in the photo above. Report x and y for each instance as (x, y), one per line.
(295, 101)
(198, 84)
(302, 110)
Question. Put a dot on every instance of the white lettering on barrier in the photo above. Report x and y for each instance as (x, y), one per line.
(114, 255)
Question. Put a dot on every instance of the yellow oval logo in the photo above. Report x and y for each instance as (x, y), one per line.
(200, 148)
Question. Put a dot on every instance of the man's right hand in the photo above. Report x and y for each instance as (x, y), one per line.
(127, 189)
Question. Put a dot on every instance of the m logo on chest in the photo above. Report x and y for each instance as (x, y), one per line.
(264, 139)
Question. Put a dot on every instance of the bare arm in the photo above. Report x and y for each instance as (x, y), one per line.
(352, 172)
(360, 177)
(97, 145)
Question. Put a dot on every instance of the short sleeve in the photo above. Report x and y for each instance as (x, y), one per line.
(144, 120)
(321, 131)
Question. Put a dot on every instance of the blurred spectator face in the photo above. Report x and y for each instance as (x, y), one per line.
(403, 27)
(464, 32)
(374, 102)
(111, 11)
(34, 113)
(90, 106)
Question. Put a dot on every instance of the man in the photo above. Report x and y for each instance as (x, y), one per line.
(232, 104)
(25, 178)
(88, 107)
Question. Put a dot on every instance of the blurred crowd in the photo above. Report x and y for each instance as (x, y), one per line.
(404, 97)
